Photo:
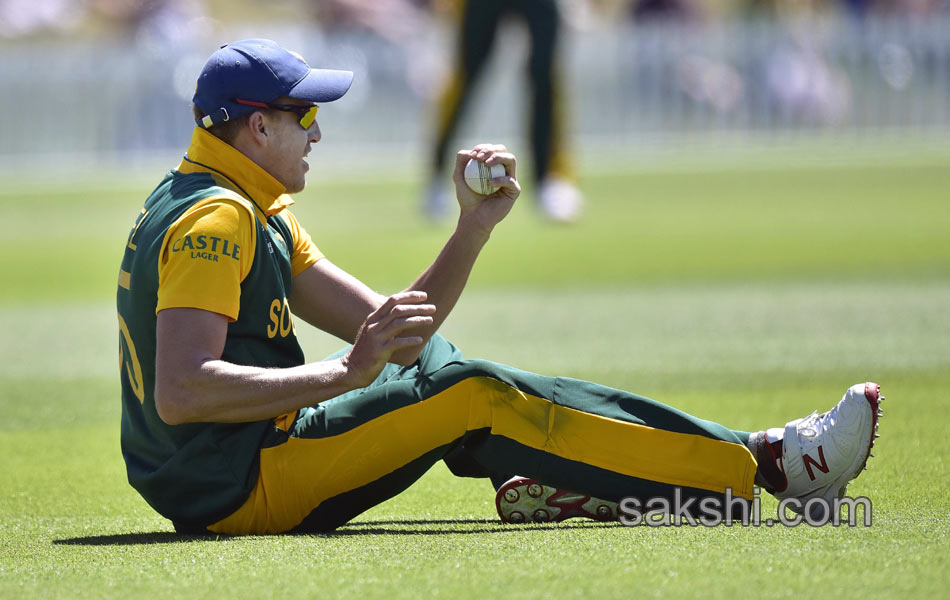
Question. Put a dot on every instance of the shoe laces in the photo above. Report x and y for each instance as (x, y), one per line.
(816, 424)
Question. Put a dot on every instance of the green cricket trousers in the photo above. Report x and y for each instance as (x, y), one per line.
(326, 464)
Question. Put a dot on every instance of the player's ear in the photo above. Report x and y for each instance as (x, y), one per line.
(257, 125)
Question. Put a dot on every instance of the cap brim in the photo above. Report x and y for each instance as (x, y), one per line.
(322, 85)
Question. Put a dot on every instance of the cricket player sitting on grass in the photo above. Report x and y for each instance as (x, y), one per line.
(226, 428)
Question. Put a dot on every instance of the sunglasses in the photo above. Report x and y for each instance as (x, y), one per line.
(306, 114)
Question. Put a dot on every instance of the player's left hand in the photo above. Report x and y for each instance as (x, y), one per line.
(487, 211)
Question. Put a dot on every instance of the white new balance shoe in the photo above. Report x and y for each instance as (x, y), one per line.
(822, 453)
(522, 499)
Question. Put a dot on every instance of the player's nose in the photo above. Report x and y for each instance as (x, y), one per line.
(314, 133)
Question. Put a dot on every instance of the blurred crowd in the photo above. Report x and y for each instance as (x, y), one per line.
(168, 21)
(666, 66)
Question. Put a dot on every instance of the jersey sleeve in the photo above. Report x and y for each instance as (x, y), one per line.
(304, 253)
(208, 252)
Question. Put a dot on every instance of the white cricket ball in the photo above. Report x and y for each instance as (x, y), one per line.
(478, 176)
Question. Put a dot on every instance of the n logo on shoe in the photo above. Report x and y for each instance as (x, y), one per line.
(821, 466)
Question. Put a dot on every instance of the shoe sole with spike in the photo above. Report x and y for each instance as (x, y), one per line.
(524, 500)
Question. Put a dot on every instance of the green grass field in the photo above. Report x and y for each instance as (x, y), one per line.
(750, 296)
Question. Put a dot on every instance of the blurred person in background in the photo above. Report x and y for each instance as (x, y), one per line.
(663, 11)
(389, 45)
(674, 68)
(800, 83)
(162, 38)
(160, 25)
(477, 26)
(389, 39)
(20, 18)
(392, 20)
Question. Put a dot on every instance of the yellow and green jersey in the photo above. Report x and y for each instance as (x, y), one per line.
(214, 235)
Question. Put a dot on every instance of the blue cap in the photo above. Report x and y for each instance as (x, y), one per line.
(261, 71)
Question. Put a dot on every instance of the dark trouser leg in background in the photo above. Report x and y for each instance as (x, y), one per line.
(477, 33)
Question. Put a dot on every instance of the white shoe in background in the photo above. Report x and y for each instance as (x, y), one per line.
(559, 200)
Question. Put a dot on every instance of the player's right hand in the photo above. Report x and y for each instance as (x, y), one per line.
(384, 332)
(487, 211)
